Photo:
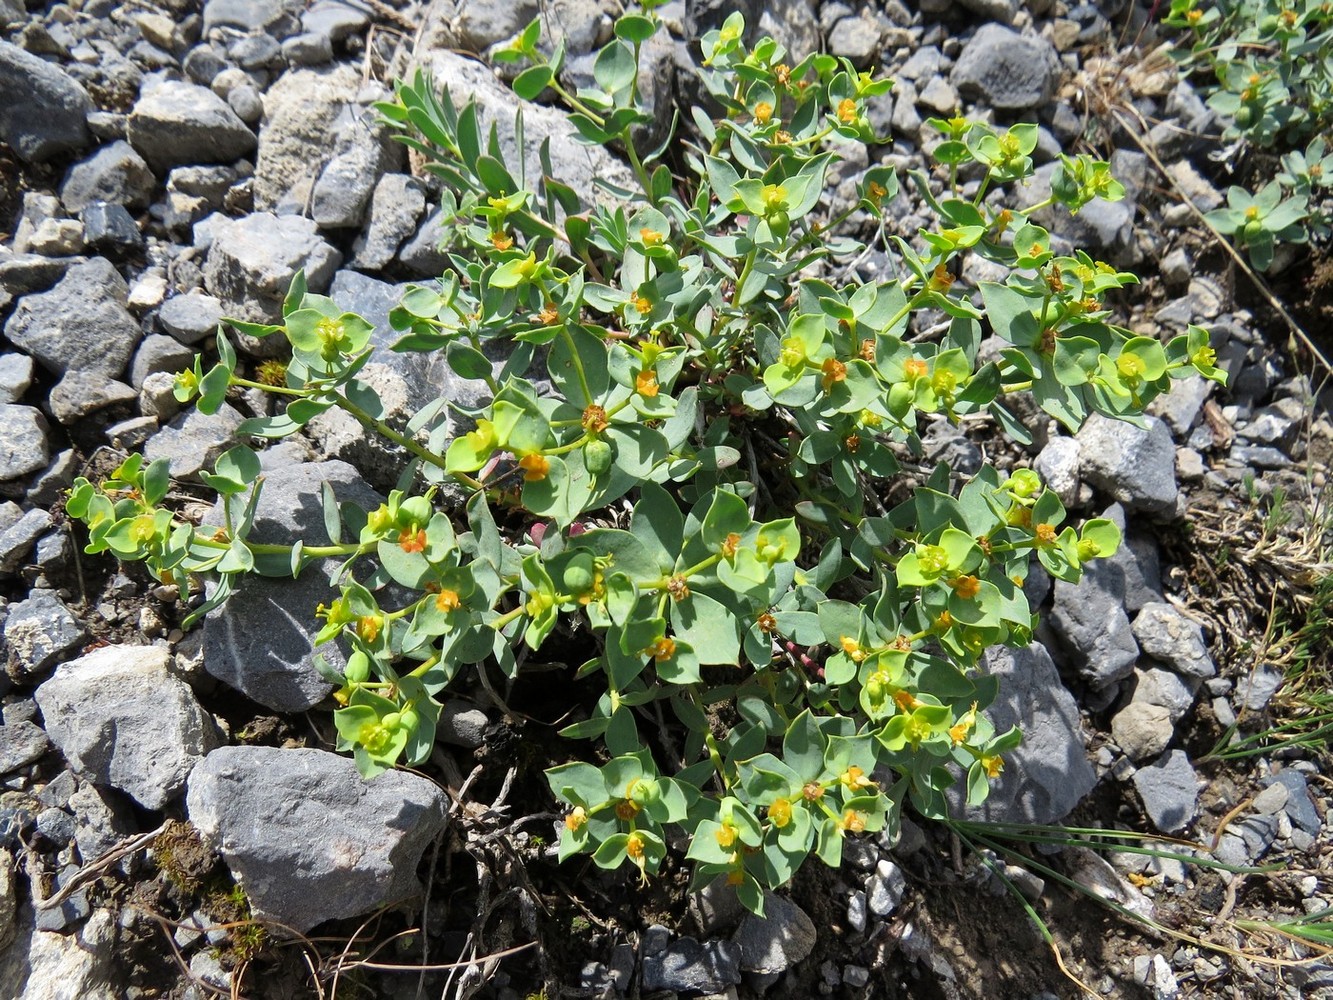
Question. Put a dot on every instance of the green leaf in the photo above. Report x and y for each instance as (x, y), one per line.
(532, 81)
(635, 29)
(614, 67)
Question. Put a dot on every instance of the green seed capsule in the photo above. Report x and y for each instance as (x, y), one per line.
(900, 399)
(597, 456)
(580, 574)
(358, 668)
(414, 510)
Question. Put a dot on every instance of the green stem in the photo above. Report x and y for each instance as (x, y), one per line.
(402, 440)
(574, 357)
(281, 390)
(640, 171)
(745, 273)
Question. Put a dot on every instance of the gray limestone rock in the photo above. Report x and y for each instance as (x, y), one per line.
(577, 165)
(482, 23)
(395, 209)
(1057, 464)
(57, 964)
(783, 937)
(51, 119)
(17, 539)
(1136, 467)
(191, 317)
(38, 632)
(259, 642)
(108, 227)
(306, 837)
(304, 111)
(79, 325)
(158, 353)
(21, 743)
(1142, 730)
(23, 445)
(1170, 791)
(276, 17)
(251, 263)
(685, 965)
(122, 719)
(15, 376)
(115, 174)
(1167, 635)
(345, 185)
(194, 440)
(177, 123)
(80, 393)
(1006, 70)
(1089, 617)
(1158, 686)
(1255, 690)
(1049, 773)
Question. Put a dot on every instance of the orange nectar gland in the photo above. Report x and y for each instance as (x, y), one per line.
(846, 111)
(678, 587)
(412, 538)
(736, 877)
(1045, 534)
(812, 791)
(502, 241)
(642, 304)
(577, 818)
(448, 600)
(726, 836)
(779, 813)
(915, 368)
(966, 587)
(853, 821)
(634, 845)
(866, 352)
(763, 113)
(549, 316)
(663, 649)
(852, 442)
(834, 371)
(368, 627)
(854, 779)
(730, 544)
(594, 419)
(852, 648)
(943, 622)
(645, 383)
(650, 237)
(993, 764)
(1193, 16)
(905, 700)
(782, 137)
(767, 623)
(940, 279)
(876, 192)
(535, 467)
(626, 810)
(782, 74)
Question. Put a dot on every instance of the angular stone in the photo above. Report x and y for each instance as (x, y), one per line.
(17, 539)
(685, 965)
(194, 440)
(395, 208)
(259, 642)
(1167, 635)
(23, 445)
(15, 376)
(306, 837)
(1142, 730)
(191, 317)
(303, 113)
(122, 719)
(252, 261)
(115, 174)
(1048, 774)
(21, 743)
(1137, 467)
(783, 937)
(1090, 619)
(38, 632)
(80, 393)
(278, 17)
(1170, 791)
(1006, 70)
(109, 227)
(79, 325)
(51, 118)
(178, 123)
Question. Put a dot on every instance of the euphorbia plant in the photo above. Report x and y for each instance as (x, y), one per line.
(819, 651)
